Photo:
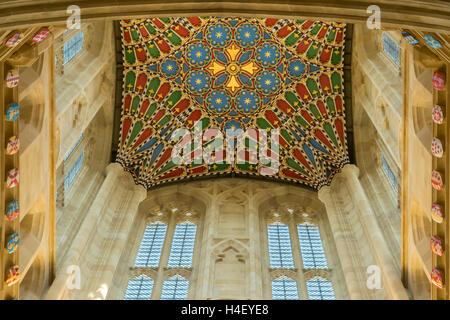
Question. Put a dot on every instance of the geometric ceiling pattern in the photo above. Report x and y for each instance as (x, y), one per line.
(231, 74)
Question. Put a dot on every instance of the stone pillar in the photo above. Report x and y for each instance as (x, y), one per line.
(296, 253)
(391, 278)
(165, 254)
(379, 249)
(348, 268)
(102, 236)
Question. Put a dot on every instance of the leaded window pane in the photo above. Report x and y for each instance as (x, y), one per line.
(73, 47)
(70, 177)
(390, 174)
(391, 49)
(280, 250)
(175, 288)
(311, 247)
(139, 288)
(320, 289)
(182, 249)
(151, 245)
(284, 288)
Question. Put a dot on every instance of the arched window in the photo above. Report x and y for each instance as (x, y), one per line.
(284, 288)
(151, 245)
(73, 47)
(175, 288)
(139, 288)
(311, 247)
(296, 257)
(182, 249)
(178, 253)
(280, 250)
(320, 289)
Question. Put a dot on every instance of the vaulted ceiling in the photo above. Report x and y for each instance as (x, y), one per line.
(233, 73)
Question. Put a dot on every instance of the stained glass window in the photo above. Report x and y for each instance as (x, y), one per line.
(151, 245)
(280, 250)
(320, 289)
(70, 177)
(311, 247)
(390, 174)
(139, 288)
(175, 288)
(284, 288)
(73, 47)
(182, 249)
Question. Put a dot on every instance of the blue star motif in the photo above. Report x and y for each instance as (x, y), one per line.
(198, 82)
(268, 82)
(170, 68)
(247, 35)
(268, 55)
(198, 54)
(247, 101)
(218, 101)
(218, 35)
(296, 68)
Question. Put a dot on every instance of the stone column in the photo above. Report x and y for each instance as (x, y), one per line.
(165, 254)
(105, 227)
(348, 268)
(391, 278)
(296, 252)
(373, 235)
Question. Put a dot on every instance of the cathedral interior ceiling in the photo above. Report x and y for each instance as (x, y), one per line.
(231, 74)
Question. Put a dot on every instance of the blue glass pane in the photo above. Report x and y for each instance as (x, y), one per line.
(320, 289)
(182, 249)
(280, 250)
(70, 177)
(391, 49)
(73, 47)
(151, 245)
(390, 174)
(73, 148)
(311, 247)
(139, 288)
(175, 288)
(284, 288)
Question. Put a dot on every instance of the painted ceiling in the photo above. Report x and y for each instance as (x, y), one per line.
(232, 73)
